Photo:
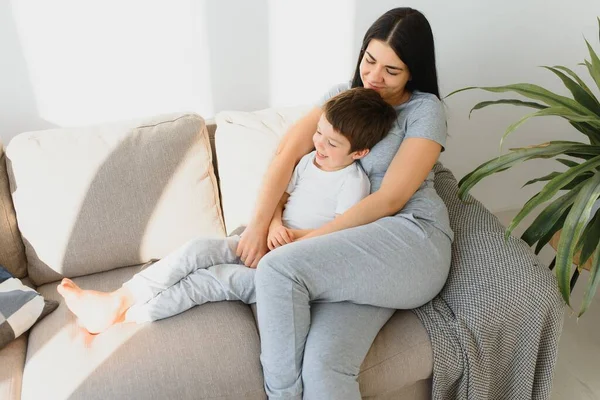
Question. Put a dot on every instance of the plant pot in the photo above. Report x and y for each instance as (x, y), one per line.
(554, 244)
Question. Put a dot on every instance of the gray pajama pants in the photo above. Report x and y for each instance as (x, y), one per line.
(320, 301)
(202, 270)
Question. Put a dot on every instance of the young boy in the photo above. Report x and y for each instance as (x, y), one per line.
(324, 184)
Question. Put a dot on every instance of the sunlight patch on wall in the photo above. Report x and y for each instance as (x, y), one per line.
(114, 60)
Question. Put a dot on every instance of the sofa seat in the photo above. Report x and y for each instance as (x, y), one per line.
(209, 352)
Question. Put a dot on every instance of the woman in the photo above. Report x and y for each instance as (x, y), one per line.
(389, 251)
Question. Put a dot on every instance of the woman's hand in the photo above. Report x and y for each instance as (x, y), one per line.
(253, 245)
(278, 236)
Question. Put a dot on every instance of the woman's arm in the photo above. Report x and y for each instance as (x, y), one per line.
(279, 235)
(295, 144)
(407, 171)
(300, 233)
(276, 220)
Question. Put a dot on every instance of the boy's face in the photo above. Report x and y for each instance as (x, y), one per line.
(333, 148)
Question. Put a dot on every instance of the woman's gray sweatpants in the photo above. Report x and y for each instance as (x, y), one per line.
(396, 262)
(320, 301)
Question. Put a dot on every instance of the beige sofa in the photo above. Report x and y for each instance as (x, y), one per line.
(96, 204)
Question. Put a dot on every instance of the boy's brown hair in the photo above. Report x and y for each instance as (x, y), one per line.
(361, 115)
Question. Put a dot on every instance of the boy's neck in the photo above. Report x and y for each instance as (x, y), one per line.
(331, 170)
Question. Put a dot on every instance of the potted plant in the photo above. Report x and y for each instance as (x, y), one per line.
(573, 213)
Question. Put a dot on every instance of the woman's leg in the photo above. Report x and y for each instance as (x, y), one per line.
(97, 311)
(216, 283)
(396, 262)
(340, 336)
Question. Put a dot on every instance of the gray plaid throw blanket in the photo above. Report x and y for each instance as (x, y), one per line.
(495, 326)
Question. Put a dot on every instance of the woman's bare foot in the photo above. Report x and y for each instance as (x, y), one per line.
(96, 311)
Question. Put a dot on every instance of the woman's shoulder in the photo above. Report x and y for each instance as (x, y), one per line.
(422, 104)
(424, 99)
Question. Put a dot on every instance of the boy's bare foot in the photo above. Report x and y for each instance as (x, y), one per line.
(96, 311)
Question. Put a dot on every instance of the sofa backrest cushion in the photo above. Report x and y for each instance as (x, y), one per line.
(245, 145)
(12, 252)
(93, 199)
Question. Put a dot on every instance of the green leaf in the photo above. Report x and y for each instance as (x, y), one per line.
(537, 93)
(571, 232)
(593, 281)
(568, 163)
(583, 177)
(549, 216)
(578, 79)
(579, 93)
(584, 155)
(550, 111)
(593, 73)
(513, 102)
(590, 238)
(542, 179)
(555, 228)
(571, 142)
(551, 189)
(594, 66)
(544, 150)
(588, 130)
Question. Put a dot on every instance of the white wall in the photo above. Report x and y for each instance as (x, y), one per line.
(69, 62)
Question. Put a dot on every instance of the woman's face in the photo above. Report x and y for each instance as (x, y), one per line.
(382, 70)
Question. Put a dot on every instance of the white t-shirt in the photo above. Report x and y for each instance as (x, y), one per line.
(316, 196)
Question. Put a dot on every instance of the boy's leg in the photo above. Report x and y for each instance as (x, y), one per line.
(216, 283)
(97, 311)
(199, 253)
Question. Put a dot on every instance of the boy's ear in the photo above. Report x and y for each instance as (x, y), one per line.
(358, 154)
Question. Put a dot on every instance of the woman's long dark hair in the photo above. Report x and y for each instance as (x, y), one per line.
(408, 33)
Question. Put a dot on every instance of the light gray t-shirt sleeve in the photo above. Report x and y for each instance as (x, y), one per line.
(333, 91)
(428, 120)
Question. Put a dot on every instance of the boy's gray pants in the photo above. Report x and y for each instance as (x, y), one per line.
(313, 337)
(202, 270)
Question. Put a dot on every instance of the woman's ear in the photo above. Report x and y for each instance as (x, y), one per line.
(358, 154)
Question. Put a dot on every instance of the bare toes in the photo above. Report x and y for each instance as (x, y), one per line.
(68, 283)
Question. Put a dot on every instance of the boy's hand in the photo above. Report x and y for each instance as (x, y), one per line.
(278, 236)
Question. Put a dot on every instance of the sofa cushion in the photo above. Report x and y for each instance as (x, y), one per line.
(208, 352)
(400, 356)
(245, 144)
(11, 373)
(12, 252)
(20, 307)
(97, 198)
